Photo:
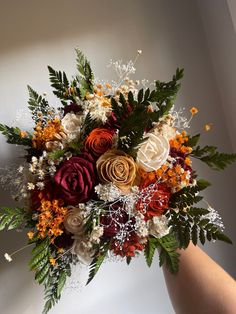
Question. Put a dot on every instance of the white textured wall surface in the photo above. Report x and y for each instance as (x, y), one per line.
(171, 34)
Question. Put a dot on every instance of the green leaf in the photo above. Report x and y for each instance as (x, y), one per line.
(12, 218)
(61, 283)
(57, 154)
(39, 259)
(96, 263)
(167, 92)
(38, 105)
(42, 274)
(13, 135)
(222, 237)
(213, 158)
(85, 77)
(168, 255)
(150, 250)
(88, 125)
(56, 280)
(128, 259)
(61, 86)
(192, 141)
(140, 96)
(187, 196)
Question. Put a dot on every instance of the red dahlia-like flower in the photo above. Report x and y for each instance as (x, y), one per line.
(129, 246)
(155, 202)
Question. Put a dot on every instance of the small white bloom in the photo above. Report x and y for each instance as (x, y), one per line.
(96, 234)
(34, 160)
(52, 170)
(30, 186)
(32, 168)
(165, 130)
(40, 185)
(20, 169)
(8, 257)
(107, 192)
(41, 174)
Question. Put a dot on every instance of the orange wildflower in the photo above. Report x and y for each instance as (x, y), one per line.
(207, 127)
(52, 261)
(23, 134)
(194, 110)
(30, 235)
(42, 135)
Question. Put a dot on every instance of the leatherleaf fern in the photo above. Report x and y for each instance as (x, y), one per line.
(195, 225)
(167, 247)
(56, 279)
(135, 116)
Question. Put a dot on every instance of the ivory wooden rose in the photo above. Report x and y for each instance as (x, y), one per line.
(74, 220)
(153, 153)
(117, 167)
(71, 124)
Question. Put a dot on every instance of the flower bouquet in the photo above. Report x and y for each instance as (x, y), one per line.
(109, 172)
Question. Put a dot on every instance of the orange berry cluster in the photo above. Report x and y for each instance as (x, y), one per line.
(178, 142)
(51, 219)
(45, 134)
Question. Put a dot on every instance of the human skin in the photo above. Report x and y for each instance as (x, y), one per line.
(201, 286)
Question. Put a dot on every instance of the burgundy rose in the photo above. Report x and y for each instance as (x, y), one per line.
(72, 107)
(75, 179)
(114, 221)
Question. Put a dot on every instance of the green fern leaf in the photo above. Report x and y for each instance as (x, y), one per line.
(96, 263)
(168, 255)
(213, 158)
(12, 218)
(150, 250)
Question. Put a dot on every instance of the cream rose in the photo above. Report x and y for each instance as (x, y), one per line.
(117, 167)
(153, 153)
(74, 221)
(158, 226)
(71, 124)
(83, 248)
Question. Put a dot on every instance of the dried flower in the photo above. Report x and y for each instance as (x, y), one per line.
(8, 257)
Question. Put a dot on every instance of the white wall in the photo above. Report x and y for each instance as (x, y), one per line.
(171, 34)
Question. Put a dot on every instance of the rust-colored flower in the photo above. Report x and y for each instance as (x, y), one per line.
(156, 203)
(99, 141)
(117, 167)
(129, 247)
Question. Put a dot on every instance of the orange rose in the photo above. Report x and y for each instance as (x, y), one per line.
(99, 141)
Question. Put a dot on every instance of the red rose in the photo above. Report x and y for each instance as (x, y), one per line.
(99, 141)
(75, 179)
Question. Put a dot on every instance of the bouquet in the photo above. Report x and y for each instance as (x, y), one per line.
(109, 173)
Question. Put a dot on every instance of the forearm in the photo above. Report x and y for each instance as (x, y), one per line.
(201, 286)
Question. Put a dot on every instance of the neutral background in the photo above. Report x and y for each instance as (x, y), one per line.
(197, 35)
